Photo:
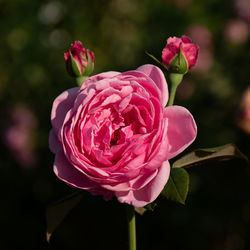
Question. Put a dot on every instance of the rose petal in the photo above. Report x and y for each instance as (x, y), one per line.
(99, 77)
(190, 52)
(140, 79)
(69, 174)
(141, 197)
(159, 153)
(137, 183)
(158, 77)
(175, 41)
(181, 131)
(61, 105)
(186, 39)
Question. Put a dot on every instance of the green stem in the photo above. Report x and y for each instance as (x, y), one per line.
(131, 227)
(175, 80)
(80, 80)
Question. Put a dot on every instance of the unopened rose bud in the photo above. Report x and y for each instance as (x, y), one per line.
(179, 54)
(79, 61)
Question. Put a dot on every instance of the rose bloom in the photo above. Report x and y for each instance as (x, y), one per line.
(114, 135)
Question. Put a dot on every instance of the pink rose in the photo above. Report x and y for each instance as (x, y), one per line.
(79, 60)
(180, 54)
(114, 135)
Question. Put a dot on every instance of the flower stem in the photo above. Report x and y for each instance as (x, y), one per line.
(175, 80)
(131, 227)
(80, 80)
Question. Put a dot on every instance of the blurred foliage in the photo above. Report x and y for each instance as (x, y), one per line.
(34, 36)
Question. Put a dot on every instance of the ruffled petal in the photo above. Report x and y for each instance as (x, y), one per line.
(181, 131)
(158, 77)
(99, 77)
(61, 105)
(140, 79)
(147, 194)
(70, 175)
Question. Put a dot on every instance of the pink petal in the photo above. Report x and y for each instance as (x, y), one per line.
(147, 194)
(181, 131)
(61, 105)
(124, 186)
(142, 180)
(186, 39)
(111, 99)
(158, 77)
(168, 53)
(69, 174)
(139, 182)
(138, 79)
(190, 52)
(99, 77)
(159, 153)
(174, 41)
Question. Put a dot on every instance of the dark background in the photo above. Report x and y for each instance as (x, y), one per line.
(33, 37)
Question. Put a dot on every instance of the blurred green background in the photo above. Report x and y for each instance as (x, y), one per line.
(33, 37)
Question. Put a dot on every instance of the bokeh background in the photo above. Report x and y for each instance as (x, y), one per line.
(33, 37)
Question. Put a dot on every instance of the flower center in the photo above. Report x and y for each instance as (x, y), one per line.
(116, 137)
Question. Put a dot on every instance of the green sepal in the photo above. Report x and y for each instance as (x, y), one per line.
(74, 67)
(178, 64)
(89, 68)
(177, 186)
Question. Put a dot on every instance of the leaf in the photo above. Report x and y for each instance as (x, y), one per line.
(209, 155)
(56, 212)
(177, 186)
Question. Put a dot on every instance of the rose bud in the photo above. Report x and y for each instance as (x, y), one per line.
(179, 54)
(79, 61)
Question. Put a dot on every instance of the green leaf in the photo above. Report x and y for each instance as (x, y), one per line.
(177, 186)
(56, 212)
(209, 155)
